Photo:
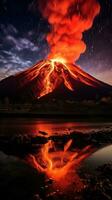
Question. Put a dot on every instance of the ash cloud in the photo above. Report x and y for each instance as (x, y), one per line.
(68, 20)
(22, 22)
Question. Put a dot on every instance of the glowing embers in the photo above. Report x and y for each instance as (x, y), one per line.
(58, 163)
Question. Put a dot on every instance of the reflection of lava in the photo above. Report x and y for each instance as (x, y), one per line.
(58, 164)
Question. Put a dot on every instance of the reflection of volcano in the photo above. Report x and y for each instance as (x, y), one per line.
(53, 78)
(60, 164)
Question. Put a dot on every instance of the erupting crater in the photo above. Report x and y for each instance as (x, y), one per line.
(55, 78)
(49, 75)
(53, 72)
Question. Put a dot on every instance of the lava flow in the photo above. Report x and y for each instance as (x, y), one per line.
(68, 20)
(57, 71)
(58, 74)
(56, 163)
(48, 75)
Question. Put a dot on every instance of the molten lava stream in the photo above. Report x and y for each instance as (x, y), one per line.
(54, 72)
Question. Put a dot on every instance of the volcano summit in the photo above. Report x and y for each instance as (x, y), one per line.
(56, 77)
(53, 79)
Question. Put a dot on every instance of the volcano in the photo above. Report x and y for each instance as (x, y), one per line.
(49, 79)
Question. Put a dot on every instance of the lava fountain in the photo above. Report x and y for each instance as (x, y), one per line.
(58, 72)
(68, 20)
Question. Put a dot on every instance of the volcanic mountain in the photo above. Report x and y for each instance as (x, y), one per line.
(49, 79)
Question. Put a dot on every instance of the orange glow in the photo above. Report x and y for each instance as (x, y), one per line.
(68, 20)
(50, 74)
(57, 164)
(58, 60)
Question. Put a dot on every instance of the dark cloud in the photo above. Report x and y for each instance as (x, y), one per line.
(18, 52)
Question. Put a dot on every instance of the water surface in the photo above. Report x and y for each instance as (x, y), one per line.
(51, 126)
(21, 179)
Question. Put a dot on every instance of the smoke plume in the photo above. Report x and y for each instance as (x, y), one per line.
(68, 20)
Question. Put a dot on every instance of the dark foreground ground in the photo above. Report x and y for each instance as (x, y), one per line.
(83, 109)
(19, 180)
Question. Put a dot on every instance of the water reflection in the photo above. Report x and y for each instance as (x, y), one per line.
(61, 164)
(58, 169)
(51, 126)
(100, 157)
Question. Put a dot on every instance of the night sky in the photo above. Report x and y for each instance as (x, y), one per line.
(23, 32)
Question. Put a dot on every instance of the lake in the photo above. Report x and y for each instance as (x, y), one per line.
(11, 126)
(57, 170)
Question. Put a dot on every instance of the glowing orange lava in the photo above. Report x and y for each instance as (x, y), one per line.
(68, 20)
(48, 75)
(58, 163)
(49, 84)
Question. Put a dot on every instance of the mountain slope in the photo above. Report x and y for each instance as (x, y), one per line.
(53, 79)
